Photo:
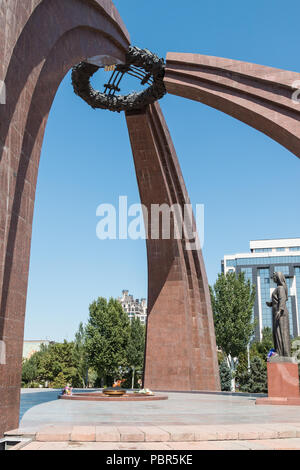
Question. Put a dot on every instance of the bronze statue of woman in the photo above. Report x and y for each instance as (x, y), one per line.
(281, 328)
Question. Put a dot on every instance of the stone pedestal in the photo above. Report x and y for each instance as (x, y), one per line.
(283, 382)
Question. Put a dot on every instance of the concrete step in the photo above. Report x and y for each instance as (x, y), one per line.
(164, 433)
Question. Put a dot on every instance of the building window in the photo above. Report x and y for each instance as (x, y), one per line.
(230, 262)
(265, 292)
(269, 260)
(284, 269)
(262, 250)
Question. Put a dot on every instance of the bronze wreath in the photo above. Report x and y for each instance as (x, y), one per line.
(142, 58)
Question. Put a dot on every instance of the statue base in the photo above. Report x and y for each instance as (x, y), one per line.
(280, 359)
(283, 382)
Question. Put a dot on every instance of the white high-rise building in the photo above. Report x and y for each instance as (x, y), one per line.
(265, 257)
(135, 308)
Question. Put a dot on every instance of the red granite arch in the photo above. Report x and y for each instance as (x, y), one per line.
(257, 95)
(45, 38)
(40, 41)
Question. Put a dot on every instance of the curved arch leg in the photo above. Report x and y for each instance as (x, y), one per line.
(180, 348)
(262, 97)
(42, 40)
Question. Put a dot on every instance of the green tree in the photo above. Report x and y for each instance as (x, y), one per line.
(107, 338)
(31, 366)
(29, 371)
(55, 364)
(262, 348)
(80, 355)
(60, 381)
(59, 363)
(295, 350)
(92, 377)
(254, 380)
(225, 376)
(232, 303)
(258, 349)
(136, 347)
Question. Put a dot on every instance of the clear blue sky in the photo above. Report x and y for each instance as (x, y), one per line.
(248, 183)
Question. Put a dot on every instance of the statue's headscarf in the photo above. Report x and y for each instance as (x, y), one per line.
(282, 282)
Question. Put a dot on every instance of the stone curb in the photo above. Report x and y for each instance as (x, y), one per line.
(210, 392)
(164, 433)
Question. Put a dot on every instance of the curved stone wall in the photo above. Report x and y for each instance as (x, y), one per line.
(257, 95)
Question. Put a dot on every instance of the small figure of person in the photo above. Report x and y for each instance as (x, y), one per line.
(67, 390)
(280, 316)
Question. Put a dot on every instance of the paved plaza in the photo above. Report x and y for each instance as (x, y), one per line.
(184, 421)
(179, 409)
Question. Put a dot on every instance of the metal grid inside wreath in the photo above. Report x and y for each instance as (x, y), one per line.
(113, 85)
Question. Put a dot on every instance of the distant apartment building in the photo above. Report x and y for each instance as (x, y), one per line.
(265, 257)
(135, 308)
(31, 347)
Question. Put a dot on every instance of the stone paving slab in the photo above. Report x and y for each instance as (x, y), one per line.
(270, 444)
(83, 434)
(107, 434)
(54, 433)
(131, 434)
(280, 401)
(155, 434)
(179, 433)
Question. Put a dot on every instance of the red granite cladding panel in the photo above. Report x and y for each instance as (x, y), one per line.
(283, 380)
(39, 42)
(14, 14)
(257, 95)
(180, 347)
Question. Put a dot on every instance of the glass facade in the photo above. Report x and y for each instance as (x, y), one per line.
(259, 270)
(284, 269)
(297, 276)
(249, 277)
(265, 294)
(248, 273)
(262, 250)
(230, 262)
(278, 260)
(289, 281)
